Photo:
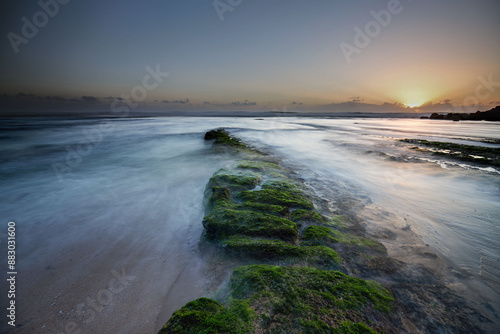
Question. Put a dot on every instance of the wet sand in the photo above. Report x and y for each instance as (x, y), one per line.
(126, 288)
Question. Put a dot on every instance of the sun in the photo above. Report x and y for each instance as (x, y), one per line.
(413, 105)
(414, 98)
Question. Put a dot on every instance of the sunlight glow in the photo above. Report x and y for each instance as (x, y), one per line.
(413, 105)
(414, 98)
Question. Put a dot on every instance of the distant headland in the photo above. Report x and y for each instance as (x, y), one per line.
(489, 115)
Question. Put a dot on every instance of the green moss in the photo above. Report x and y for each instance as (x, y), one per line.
(300, 300)
(275, 249)
(221, 136)
(277, 197)
(320, 233)
(348, 327)
(338, 221)
(281, 184)
(233, 181)
(306, 215)
(205, 315)
(258, 165)
(276, 210)
(219, 197)
(274, 299)
(325, 235)
(223, 222)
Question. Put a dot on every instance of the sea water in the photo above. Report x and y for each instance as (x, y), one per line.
(108, 211)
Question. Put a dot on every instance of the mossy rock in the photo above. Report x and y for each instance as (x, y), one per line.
(259, 166)
(300, 215)
(221, 136)
(470, 153)
(281, 197)
(223, 222)
(281, 183)
(276, 210)
(271, 299)
(308, 300)
(233, 181)
(219, 197)
(278, 250)
(322, 235)
(205, 315)
(339, 222)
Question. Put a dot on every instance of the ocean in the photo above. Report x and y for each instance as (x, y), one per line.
(108, 212)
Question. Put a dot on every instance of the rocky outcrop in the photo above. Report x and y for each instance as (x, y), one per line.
(303, 279)
(489, 115)
(476, 154)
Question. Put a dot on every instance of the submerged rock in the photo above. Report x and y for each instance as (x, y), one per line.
(330, 237)
(205, 315)
(478, 154)
(272, 299)
(265, 249)
(223, 138)
(277, 197)
(257, 213)
(223, 223)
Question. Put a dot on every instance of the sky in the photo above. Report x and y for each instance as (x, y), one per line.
(308, 55)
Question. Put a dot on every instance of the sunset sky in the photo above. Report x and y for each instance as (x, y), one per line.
(256, 54)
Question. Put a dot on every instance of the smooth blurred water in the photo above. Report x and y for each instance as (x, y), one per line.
(132, 200)
(454, 207)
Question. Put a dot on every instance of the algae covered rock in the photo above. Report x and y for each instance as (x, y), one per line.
(233, 181)
(272, 299)
(254, 213)
(276, 210)
(223, 222)
(307, 216)
(205, 315)
(301, 300)
(322, 235)
(259, 165)
(219, 197)
(265, 249)
(222, 137)
(277, 197)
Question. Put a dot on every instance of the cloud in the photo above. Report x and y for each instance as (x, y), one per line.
(356, 106)
(91, 99)
(32, 104)
(52, 98)
(186, 101)
(444, 105)
(244, 103)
